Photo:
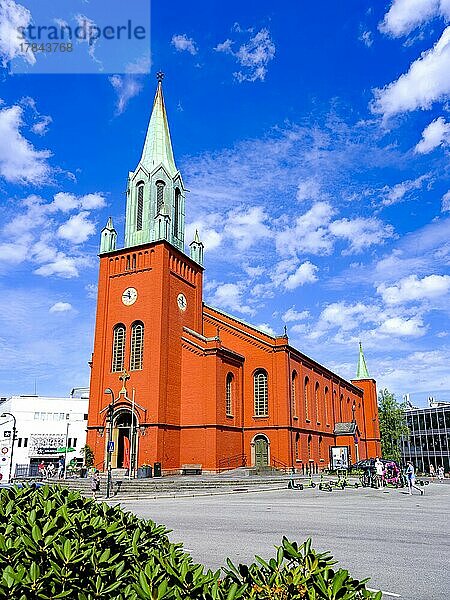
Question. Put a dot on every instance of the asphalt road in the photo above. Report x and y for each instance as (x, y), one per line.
(402, 542)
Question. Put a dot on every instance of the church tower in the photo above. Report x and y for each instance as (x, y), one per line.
(155, 190)
(149, 293)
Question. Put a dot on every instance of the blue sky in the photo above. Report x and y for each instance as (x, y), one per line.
(315, 144)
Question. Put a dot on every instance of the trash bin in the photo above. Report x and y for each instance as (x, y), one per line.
(144, 472)
(157, 469)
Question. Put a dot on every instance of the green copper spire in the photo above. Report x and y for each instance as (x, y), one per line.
(361, 371)
(196, 249)
(155, 190)
(158, 145)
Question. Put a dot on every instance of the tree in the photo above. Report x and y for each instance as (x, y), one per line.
(88, 455)
(392, 418)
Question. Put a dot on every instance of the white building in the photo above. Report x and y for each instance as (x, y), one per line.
(42, 425)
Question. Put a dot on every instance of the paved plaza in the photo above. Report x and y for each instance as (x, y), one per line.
(402, 542)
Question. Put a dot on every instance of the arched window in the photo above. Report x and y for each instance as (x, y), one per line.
(341, 400)
(294, 393)
(118, 353)
(176, 212)
(317, 401)
(320, 447)
(137, 346)
(139, 206)
(306, 398)
(229, 395)
(297, 446)
(260, 393)
(325, 405)
(159, 195)
(309, 447)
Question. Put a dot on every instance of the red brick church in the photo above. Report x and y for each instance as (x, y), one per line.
(187, 383)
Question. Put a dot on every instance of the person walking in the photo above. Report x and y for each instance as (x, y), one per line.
(432, 472)
(41, 469)
(440, 472)
(379, 470)
(95, 483)
(61, 464)
(411, 478)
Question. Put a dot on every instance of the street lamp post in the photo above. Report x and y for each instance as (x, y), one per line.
(7, 414)
(109, 442)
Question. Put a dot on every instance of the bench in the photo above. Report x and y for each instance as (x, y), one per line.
(191, 469)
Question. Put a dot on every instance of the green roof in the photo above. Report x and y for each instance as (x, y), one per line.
(158, 145)
(361, 371)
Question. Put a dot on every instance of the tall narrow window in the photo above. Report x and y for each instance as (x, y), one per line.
(297, 446)
(137, 346)
(320, 448)
(341, 401)
(309, 447)
(306, 398)
(317, 401)
(294, 393)
(176, 212)
(326, 401)
(260, 394)
(139, 206)
(159, 196)
(229, 395)
(118, 354)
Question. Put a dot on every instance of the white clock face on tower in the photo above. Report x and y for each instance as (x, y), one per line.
(129, 296)
(182, 302)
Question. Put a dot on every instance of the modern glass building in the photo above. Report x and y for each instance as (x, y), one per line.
(429, 437)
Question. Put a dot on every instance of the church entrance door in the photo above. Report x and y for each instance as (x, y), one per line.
(261, 452)
(124, 446)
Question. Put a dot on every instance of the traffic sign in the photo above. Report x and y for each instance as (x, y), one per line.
(110, 446)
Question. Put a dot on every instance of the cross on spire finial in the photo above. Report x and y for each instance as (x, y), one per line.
(124, 378)
(159, 76)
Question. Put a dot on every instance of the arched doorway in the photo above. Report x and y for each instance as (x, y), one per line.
(261, 451)
(125, 440)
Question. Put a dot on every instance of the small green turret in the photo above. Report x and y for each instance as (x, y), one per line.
(196, 249)
(108, 237)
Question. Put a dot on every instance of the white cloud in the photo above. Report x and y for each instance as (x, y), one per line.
(77, 229)
(403, 327)
(310, 233)
(367, 38)
(405, 15)
(292, 315)
(309, 189)
(412, 288)
(62, 266)
(225, 47)
(59, 307)
(41, 126)
(20, 162)
(437, 133)
(305, 273)
(400, 191)
(253, 56)
(91, 289)
(13, 16)
(426, 82)
(445, 203)
(183, 43)
(247, 226)
(230, 296)
(65, 202)
(126, 88)
(361, 233)
(266, 328)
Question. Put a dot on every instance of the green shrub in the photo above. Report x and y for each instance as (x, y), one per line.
(56, 544)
